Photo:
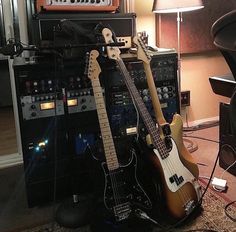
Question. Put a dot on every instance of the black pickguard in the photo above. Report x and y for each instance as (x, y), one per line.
(122, 187)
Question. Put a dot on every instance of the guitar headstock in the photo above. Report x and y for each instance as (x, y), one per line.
(112, 52)
(142, 52)
(93, 67)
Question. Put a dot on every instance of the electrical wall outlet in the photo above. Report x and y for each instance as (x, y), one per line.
(185, 98)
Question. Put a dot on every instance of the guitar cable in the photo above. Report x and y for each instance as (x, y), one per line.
(143, 215)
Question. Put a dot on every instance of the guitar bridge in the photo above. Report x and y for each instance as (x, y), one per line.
(189, 207)
(122, 211)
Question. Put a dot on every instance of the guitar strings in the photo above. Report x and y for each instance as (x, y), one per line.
(183, 196)
(148, 70)
(168, 163)
(96, 85)
(163, 149)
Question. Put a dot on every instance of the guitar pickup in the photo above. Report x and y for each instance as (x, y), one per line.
(166, 129)
(176, 179)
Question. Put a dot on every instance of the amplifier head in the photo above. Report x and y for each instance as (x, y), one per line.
(72, 5)
(43, 25)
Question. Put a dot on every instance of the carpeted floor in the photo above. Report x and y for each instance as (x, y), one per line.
(212, 218)
(16, 217)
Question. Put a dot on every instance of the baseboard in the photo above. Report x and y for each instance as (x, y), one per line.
(11, 160)
(201, 121)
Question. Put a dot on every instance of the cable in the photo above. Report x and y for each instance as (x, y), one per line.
(193, 146)
(141, 214)
(197, 137)
(202, 164)
(210, 178)
(204, 177)
(201, 126)
(227, 213)
(221, 176)
(199, 230)
(55, 144)
(217, 189)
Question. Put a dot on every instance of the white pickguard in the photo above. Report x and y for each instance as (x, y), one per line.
(172, 165)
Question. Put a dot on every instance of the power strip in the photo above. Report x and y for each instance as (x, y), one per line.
(219, 184)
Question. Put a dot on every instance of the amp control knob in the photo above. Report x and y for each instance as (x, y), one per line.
(83, 107)
(83, 100)
(33, 107)
(166, 96)
(159, 90)
(145, 98)
(165, 89)
(145, 92)
(33, 114)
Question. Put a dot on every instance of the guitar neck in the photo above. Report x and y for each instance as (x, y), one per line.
(147, 119)
(108, 143)
(153, 92)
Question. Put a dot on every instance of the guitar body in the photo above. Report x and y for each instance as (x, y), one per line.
(176, 127)
(122, 193)
(173, 163)
(129, 193)
(181, 189)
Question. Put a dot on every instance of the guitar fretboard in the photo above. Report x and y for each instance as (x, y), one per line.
(150, 125)
(108, 143)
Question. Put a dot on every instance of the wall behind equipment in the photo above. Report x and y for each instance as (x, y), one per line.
(195, 26)
(196, 69)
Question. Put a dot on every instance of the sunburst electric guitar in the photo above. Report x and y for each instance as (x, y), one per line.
(181, 188)
(173, 130)
(174, 135)
(123, 193)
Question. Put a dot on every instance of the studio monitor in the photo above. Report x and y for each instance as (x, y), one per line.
(227, 152)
